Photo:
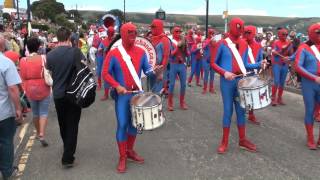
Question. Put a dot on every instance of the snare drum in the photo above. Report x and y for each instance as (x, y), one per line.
(146, 111)
(254, 93)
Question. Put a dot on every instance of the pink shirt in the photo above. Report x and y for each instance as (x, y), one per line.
(31, 72)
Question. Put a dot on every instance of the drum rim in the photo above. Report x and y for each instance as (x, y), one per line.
(146, 107)
(253, 88)
(258, 108)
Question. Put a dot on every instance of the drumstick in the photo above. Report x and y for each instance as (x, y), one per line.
(239, 75)
(281, 55)
(135, 91)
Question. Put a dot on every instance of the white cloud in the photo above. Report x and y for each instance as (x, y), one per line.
(248, 11)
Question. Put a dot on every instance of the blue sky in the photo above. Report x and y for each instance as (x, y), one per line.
(285, 8)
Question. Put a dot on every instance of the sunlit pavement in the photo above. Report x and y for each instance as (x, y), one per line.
(184, 148)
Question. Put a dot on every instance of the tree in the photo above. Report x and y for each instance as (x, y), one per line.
(62, 20)
(6, 16)
(75, 15)
(47, 9)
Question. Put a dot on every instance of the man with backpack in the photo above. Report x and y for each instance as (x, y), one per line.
(60, 62)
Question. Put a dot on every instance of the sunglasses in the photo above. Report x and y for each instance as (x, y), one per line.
(317, 31)
(247, 32)
(285, 34)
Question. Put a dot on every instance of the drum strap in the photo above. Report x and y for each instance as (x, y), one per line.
(237, 56)
(130, 66)
(174, 41)
(252, 61)
(315, 51)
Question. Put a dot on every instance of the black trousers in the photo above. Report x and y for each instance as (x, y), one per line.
(68, 116)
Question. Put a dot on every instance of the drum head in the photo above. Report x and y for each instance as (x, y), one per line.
(147, 99)
(251, 82)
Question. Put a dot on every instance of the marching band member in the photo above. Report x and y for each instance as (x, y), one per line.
(196, 60)
(122, 70)
(229, 59)
(178, 68)
(307, 66)
(105, 42)
(190, 42)
(282, 49)
(208, 71)
(255, 54)
(162, 45)
(99, 55)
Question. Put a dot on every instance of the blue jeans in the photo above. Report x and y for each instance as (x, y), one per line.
(7, 131)
(40, 108)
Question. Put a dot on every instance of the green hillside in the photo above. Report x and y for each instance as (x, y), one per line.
(300, 24)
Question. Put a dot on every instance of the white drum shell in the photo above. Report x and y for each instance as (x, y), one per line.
(147, 118)
(255, 98)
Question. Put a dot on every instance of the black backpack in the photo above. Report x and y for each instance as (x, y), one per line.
(81, 88)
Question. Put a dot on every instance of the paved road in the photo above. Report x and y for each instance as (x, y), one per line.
(185, 147)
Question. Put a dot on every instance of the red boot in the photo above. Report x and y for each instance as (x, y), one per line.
(198, 81)
(106, 94)
(310, 138)
(205, 85)
(131, 154)
(243, 142)
(170, 102)
(252, 118)
(211, 89)
(223, 147)
(99, 83)
(123, 157)
(274, 95)
(280, 92)
(183, 104)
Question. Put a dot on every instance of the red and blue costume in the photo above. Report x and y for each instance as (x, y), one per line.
(99, 55)
(117, 74)
(190, 42)
(162, 45)
(178, 68)
(308, 67)
(281, 47)
(208, 46)
(196, 61)
(257, 53)
(104, 47)
(224, 63)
